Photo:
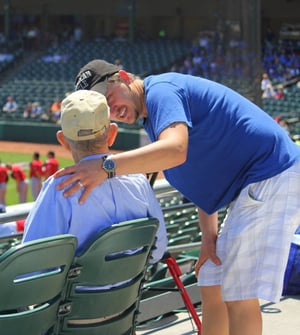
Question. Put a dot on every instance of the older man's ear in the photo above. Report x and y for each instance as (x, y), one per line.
(62, 140)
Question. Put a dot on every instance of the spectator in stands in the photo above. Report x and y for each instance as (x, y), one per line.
(51, 165)
(36, 174)
(281, 63)
(27, 110)
(46, 116)
(279, 94)
(3, 186)
(269, 92)
(218, 149)
(10, 106)
(88, 134)
(118, 63)
(19, 175)
(267, 87)
(56, 110)
(36, 110)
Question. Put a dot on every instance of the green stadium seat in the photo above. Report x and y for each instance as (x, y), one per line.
(33, 277)
(105, 284)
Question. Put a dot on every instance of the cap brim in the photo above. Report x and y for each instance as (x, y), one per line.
(100, 87)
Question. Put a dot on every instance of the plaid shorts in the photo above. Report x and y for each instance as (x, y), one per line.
(255, 239)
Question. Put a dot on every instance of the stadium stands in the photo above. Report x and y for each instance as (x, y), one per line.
(52, 74)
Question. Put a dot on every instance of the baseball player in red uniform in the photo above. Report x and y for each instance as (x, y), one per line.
(19, 175)
(3, 182)
(35, 173)
(51, 165)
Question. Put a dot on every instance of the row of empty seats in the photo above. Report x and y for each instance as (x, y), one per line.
(52, 75)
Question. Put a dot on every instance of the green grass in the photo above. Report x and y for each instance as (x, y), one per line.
(10, 158)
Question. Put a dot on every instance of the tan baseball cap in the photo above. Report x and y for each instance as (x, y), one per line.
(84, 115)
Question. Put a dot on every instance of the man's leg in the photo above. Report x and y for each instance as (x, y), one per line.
(214, 312)
(23, 188)
(244, 317)
(2, 193)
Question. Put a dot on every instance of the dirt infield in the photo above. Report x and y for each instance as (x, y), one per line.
(28, 148)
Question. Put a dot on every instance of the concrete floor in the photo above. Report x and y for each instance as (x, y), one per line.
(278, 319)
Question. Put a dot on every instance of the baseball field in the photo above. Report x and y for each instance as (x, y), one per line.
(20, 152)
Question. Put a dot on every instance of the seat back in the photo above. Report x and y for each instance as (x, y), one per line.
(105, 290)
(34, 274)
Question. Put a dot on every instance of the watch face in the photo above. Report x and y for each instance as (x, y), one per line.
(109, 164)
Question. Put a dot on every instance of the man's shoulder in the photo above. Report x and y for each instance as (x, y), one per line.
(51, 192)
(135, 177)
(132, 181)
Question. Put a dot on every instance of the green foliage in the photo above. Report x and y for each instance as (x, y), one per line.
(10, 158)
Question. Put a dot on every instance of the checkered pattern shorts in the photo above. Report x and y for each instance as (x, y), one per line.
(255, 240)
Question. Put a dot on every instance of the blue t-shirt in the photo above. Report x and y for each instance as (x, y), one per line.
(232, 142)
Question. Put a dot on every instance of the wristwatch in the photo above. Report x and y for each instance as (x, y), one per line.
(109, 166)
